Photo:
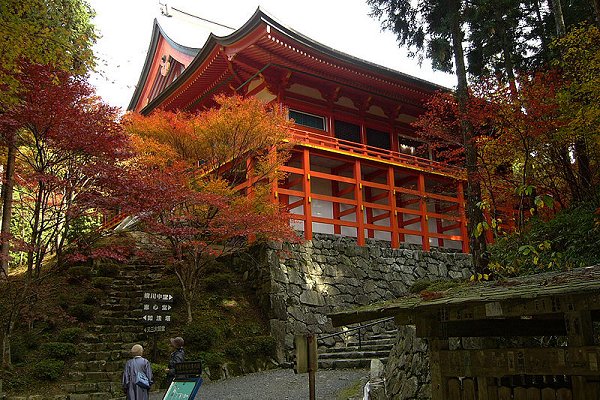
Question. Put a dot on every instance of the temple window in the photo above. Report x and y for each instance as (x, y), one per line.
(413, 147)
(308, 120)
(347, 131)
(377, 138)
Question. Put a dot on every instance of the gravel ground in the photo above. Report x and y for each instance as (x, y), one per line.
(278, 384)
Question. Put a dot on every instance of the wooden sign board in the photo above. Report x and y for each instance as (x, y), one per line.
(306, 354)
(183, 389)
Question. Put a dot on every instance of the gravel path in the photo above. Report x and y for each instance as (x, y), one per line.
(278, 384)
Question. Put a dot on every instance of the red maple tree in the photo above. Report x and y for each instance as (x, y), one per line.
(205, 183)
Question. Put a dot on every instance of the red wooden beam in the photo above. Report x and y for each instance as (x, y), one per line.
(424, 217)
(307, 195)
(360, 233)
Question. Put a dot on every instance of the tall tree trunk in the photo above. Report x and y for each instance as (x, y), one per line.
(6, 348)
(474, 213)
(559, 20)
(542, 30)
(7, 203)
(583, 167)
(596, 7)
(35, 231)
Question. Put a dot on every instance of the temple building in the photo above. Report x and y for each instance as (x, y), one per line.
(357, 168)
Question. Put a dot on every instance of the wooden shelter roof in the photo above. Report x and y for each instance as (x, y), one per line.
(529, 296)
(263, 44)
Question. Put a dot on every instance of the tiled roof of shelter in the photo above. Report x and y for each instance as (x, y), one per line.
(525, 295)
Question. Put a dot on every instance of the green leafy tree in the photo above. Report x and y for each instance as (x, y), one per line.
(58, 33)
(435, 29)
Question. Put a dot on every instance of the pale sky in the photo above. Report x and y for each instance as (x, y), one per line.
(125, 27)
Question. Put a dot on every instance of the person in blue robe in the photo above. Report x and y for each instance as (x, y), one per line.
(130, 374)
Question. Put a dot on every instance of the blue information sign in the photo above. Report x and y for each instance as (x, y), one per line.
(183, 389)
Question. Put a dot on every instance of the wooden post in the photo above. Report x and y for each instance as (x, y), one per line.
(311, 342)
(392, 202)
(439, 384)
(580, 332)
(307, 195)
(335, 192)
(360, 222)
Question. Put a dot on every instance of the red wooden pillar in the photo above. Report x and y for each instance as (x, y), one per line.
(439, 223)
(463, 218)
(360, 223)
(307, 195)
(393, 212)
(335, 192)
(423, 209)
(369, 211)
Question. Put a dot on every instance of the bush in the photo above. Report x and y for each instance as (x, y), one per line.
(48, 369)
(201, 336)
(212, 361)
(83, 312)
(58, 350)
(79, 274)
(70, 335)
(219, 282)
(107, 270)
(571, 239)
(92, 297)
(251, 348)
(419, 285)
(102, 282)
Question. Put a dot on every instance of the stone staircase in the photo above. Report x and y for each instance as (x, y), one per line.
(96, 375)
(353, 356)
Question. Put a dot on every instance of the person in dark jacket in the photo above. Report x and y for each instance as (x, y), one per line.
(177, 356)
(132, 367)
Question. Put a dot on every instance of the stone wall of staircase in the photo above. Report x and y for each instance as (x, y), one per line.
(103, 351)
(299, 285)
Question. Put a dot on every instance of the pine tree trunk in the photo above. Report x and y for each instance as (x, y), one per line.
(7, 203)
(559, 20)
(596, 7)
(474, 213)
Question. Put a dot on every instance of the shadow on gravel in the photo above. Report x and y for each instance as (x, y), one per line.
(281, 384)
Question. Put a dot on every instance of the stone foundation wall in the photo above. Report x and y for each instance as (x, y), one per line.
(298, 285)
(407, 375)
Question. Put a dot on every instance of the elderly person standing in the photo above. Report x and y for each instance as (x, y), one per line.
(177, 356)
(131, 385)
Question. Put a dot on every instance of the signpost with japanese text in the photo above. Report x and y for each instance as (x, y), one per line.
(156, 308)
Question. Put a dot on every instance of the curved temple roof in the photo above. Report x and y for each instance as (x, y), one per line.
(260, 43)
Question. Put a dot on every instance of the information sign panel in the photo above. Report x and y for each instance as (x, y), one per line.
(183, 389)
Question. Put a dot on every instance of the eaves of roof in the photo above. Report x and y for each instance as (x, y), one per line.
(157, 33)
(261, 18)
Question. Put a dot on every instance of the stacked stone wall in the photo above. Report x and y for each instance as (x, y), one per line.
(299, 285)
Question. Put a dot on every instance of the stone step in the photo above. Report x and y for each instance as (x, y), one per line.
(93, 387)
(101, 347)
(112, 321)
(105, 376)
(373, 347)
(98, 366)
(109, 355)
(354, 354)
(353, 363)
(384, 336)
(115, 337)
(371, 342)
(117, 328)
(94, 396)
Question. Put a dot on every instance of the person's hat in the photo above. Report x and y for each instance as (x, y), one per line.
(177, 342)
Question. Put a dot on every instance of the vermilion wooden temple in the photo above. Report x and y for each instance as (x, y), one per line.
(357, 168)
